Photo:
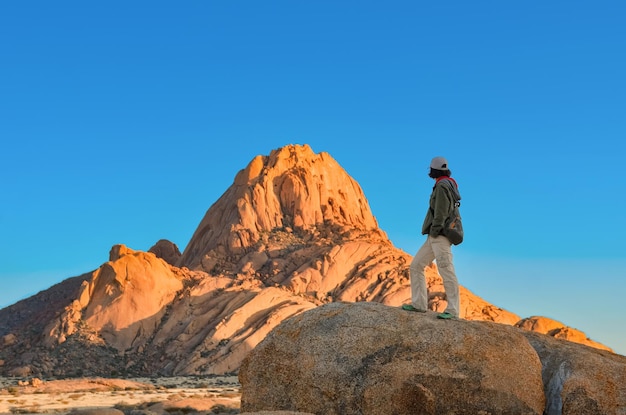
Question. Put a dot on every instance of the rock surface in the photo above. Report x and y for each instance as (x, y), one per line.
(123, 302)
(558, 330)
(580, 380)
(293, 232)
(368, 358)
(166, 250)
(292, 187)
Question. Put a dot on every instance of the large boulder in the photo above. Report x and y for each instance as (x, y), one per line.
(369, 358)
(580, 380)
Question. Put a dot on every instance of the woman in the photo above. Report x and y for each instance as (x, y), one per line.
(437, 247)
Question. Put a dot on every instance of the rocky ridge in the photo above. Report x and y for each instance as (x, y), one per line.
(368, 358)
(293, 232)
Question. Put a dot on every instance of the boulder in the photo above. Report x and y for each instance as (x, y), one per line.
(579, 379)
(8, 340)
(167, 251)
(20, 372)
(369, 358)
(558, 330)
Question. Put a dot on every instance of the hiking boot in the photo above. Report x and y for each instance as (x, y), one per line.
(409, 307)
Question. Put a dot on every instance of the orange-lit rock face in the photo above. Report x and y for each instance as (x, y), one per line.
(129, 296)
(556, 329)
(291, 188)
(122, 302)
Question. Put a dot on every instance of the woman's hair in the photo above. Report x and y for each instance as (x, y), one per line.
(434, 173)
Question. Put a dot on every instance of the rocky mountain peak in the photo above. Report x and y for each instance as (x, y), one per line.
(118, 251)
(292, 189)
(294, 231)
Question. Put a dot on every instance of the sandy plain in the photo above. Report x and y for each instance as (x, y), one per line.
(171, 395)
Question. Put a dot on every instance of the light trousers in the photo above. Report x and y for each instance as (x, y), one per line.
(435, 248)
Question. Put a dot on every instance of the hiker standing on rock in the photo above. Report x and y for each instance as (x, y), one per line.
(444, 202)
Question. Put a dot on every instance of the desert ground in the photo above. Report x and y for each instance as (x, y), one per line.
(171, 395)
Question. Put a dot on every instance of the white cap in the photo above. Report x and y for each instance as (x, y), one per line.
(439, 163)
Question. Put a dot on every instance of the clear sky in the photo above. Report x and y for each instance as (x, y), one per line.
(122, 122)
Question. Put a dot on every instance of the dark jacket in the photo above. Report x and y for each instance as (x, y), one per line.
(442, 199)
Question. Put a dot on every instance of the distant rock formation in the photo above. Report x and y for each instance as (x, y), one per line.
(167, 251)
(292, 189)
(367, 358)
(123, 302)
(557, 330)
(293, 232)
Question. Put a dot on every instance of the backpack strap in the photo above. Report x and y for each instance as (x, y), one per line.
(451, 187)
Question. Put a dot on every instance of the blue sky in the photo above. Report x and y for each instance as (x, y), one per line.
(122, 122)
